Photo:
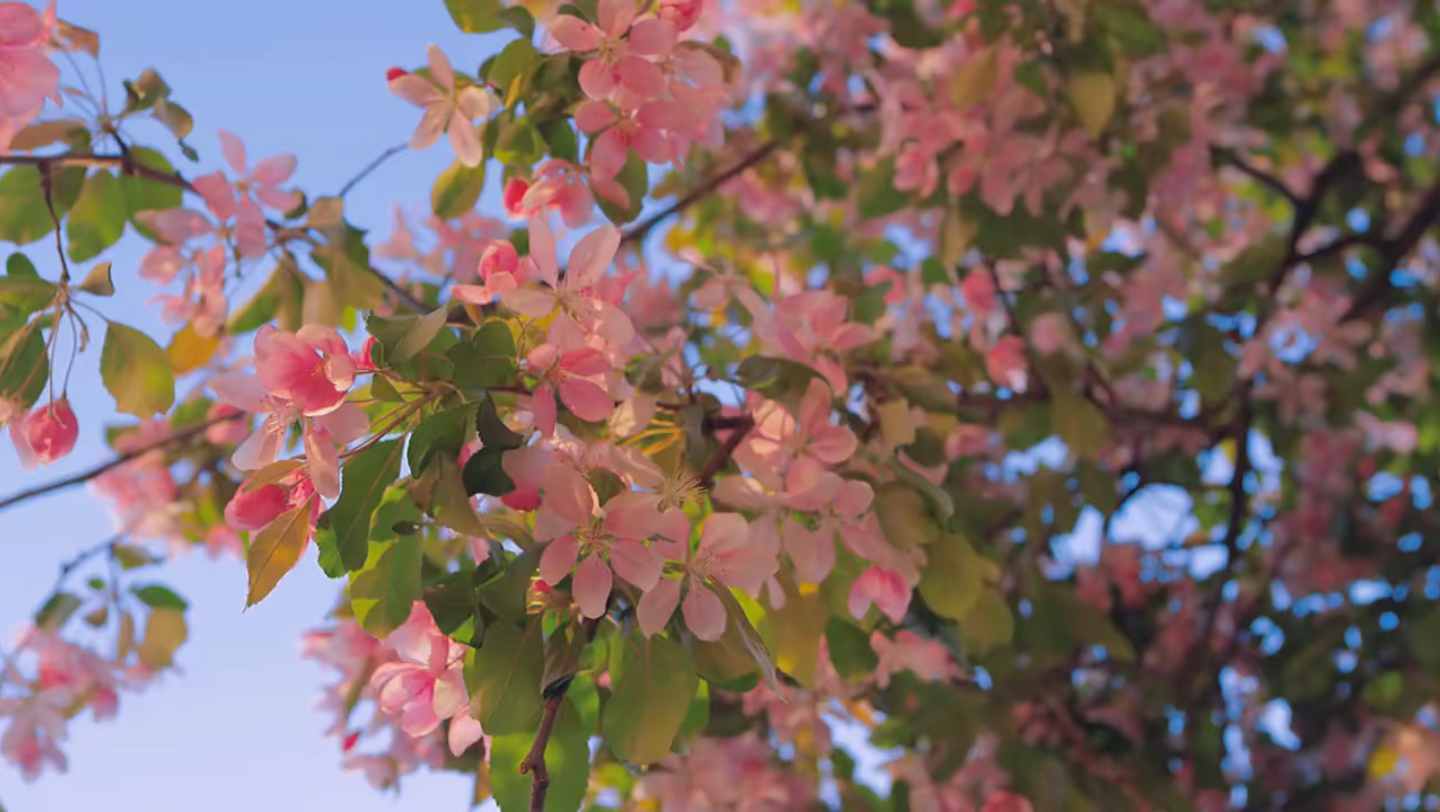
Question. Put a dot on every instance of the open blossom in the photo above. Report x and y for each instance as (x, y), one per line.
(312, 368)
(882, 588)
(573, 295)
(728, 557)
(927, 659)
(570, 373)
(499, 273)
(601, 538)
(425, 686)
(27, 76)
(262, 182)
(559, 186)
(447, 109)
(780, 436)
(1006, 362)
(618, 67)
(616, 132)
(45, 435)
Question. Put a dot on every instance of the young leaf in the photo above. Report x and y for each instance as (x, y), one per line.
(419, 336)
(484, 473)
(165, 631)
(275, 550)
(98, 219)
(1093, 97)
(159, 597)
(457, 190)
(136, 371)
(503, 678)
(952, 580)
(487, 359)
(147, 194)
(24, 217)
(189, 350)
(383, 593)
(476, 16)
(493, 431)
(97, 281)
(363, 482)
(650, 700)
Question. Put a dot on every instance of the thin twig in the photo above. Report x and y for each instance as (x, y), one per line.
(534, 763)
(722, 456)
(644, 227)
(371, 167)
(1265, 178)
(129, 456)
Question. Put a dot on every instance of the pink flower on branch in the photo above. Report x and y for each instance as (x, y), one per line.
(426, 685)
(728, 557)
(448, 108)
(263, 182)
(619, 43)
(574, 295)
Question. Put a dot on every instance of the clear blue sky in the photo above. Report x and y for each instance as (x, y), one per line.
(234, 731)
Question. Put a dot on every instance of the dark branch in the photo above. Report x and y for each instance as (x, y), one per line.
(534, 763)
(1264, 178)
(129, 456)
(640, 230)
(722, 456)
(370, 167)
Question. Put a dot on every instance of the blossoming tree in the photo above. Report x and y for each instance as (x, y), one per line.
(714, 434)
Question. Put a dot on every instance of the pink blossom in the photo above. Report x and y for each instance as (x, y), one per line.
(780, 436)
(682, 14)
(618, 133)
(617, 69)
(499, 269)
(513, 196)
(426, 685)
(809, 328)
(571, 373)
(263, 182)
(255, 508)
(1050, 334)
(312, 367)
(885, 589)
(1006, 364)
(225, 432)
(979, 292)
(601, 538)
(728, 557)
(928, 660)
(29, 77)
(446, 108)
(45, 435)
(560, 186)
(574, 295)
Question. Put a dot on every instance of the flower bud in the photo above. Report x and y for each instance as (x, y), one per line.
(395, 73)
(514, 194)
(254, 509)
(46, 434)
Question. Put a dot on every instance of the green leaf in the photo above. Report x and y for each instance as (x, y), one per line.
(159, 597)
(567, 760)
(484, 473)
(457, 190)
(493, 431)
(24, 217)
(778, 379)
(165, 632)
(383, 593)
(443, 433)
(878, 195)
(97, 281)
(514, 64)
(56, 611)
(147, 194)
(477, 16)
(1079, 423)
(363, 482)
(870, 304)
(450, 504)
(952, 581)
(650, 700)
(136, 371)
(281, 297)
(503, 678)
(560, 139)
(988, 624)
(25, 292)
(849, 648)
(634, 179)
(275, 550)
(487, 359)
(419, 336)
(24, 368)
(505, 594)
(98, 219)
(349, 272)
(518, 142)
(798, 627)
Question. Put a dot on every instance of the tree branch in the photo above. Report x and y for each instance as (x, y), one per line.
(370, 167)
(1264, 178)
(640, 230)
(1393, 251)
(722, 456)
(129, 456)
(534, 763)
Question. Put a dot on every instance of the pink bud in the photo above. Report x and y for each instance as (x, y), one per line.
(514, 193)
(254, 509)
(366, 358)
(498, 257)
(395, 73)
(226, 432)
(681, 13)
(46, 435)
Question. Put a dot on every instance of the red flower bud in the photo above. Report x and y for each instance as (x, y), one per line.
(254, 509)
(46, 434)
(395, 73)
(514, 193)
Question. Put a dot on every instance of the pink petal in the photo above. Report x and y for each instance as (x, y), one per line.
(651, 37)
(574, 33)
(641, 80)
(258, 450)
(465, 140)
(346, 424)
(585, 361)
(592, 255)
(568, 494)
(417, 90)
(635, 563)
(20, 25)
(592, 586)
(704, 613)
(597, 79)
(542, 251)
(278, 199)
(529, 302)
(885, 589)
(475, 102)
(657, 606)
(440, 67)
(854, 498)
(234, 150)
(675, 525)
(274, 171)
(608, 156)
(432, 124)
(613, 325)
(542, 405)
(834, 444)
(464, 732)
(632, 515)
(586, 400)
(558, 559)
(615, 16)
(240, 390)
(594, 116)
(812, 551)
(322, 461)
(218, 193)
(724, 533)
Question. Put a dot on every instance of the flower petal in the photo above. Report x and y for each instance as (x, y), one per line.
(704, 613)
(635, 563)
(657, 606)
(558, 559)
(592, 586)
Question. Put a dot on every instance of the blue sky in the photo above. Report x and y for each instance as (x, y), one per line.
(234, 730)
